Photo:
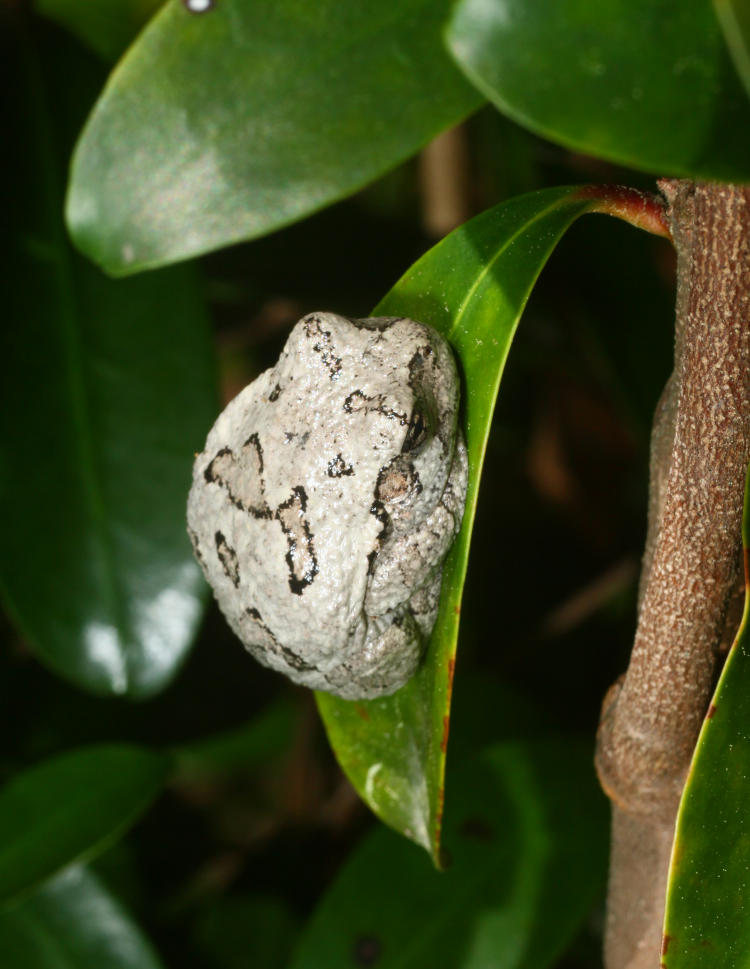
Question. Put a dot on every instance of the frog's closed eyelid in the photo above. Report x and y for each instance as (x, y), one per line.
(421, 429)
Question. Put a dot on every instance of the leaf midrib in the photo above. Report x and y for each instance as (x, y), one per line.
(463, 305)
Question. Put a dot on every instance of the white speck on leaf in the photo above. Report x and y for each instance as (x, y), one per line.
(372, 773)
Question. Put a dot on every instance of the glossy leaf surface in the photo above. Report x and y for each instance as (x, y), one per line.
(107, 392)
(70, 808)
(734, 18)
(222, 126)
(73, 922)
(707, 921)
(647, 83)
(472, 287)
(527, 836)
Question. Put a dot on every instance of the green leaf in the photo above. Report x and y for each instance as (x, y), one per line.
(107, 26)
(527, 834)
(71, 808)
(225, 125)
(647, 83)
(472, 287)
(734, 19)
(107, 392)
(72, 922)
(707, 922)
(244, 932)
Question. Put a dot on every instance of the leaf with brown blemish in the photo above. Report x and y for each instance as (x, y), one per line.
(472, 287)
(526, 834)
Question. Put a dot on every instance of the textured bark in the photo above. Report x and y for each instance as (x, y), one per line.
(700, 451)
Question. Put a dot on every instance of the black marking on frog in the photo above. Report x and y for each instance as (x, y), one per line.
(253, 442)
(338, 468)
(245, 488)
(381, 323)
(295, 661)
(323, 346)
(417, 364)
(228, 558)
(420, 430)
(290, 657)
(196, 547)
(358, 401)
(421, 377)
(213, 472)
(302, 439)
(377, 510)
(275, 393)
(300, 555)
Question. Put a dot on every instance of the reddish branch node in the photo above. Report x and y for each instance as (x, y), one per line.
(641, 209)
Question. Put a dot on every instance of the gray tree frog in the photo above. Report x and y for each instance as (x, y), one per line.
(326, 498)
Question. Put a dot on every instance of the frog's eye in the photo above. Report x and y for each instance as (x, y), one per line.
(419, 430)
(397, 482)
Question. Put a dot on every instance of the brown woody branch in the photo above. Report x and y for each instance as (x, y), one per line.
(700, 450)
